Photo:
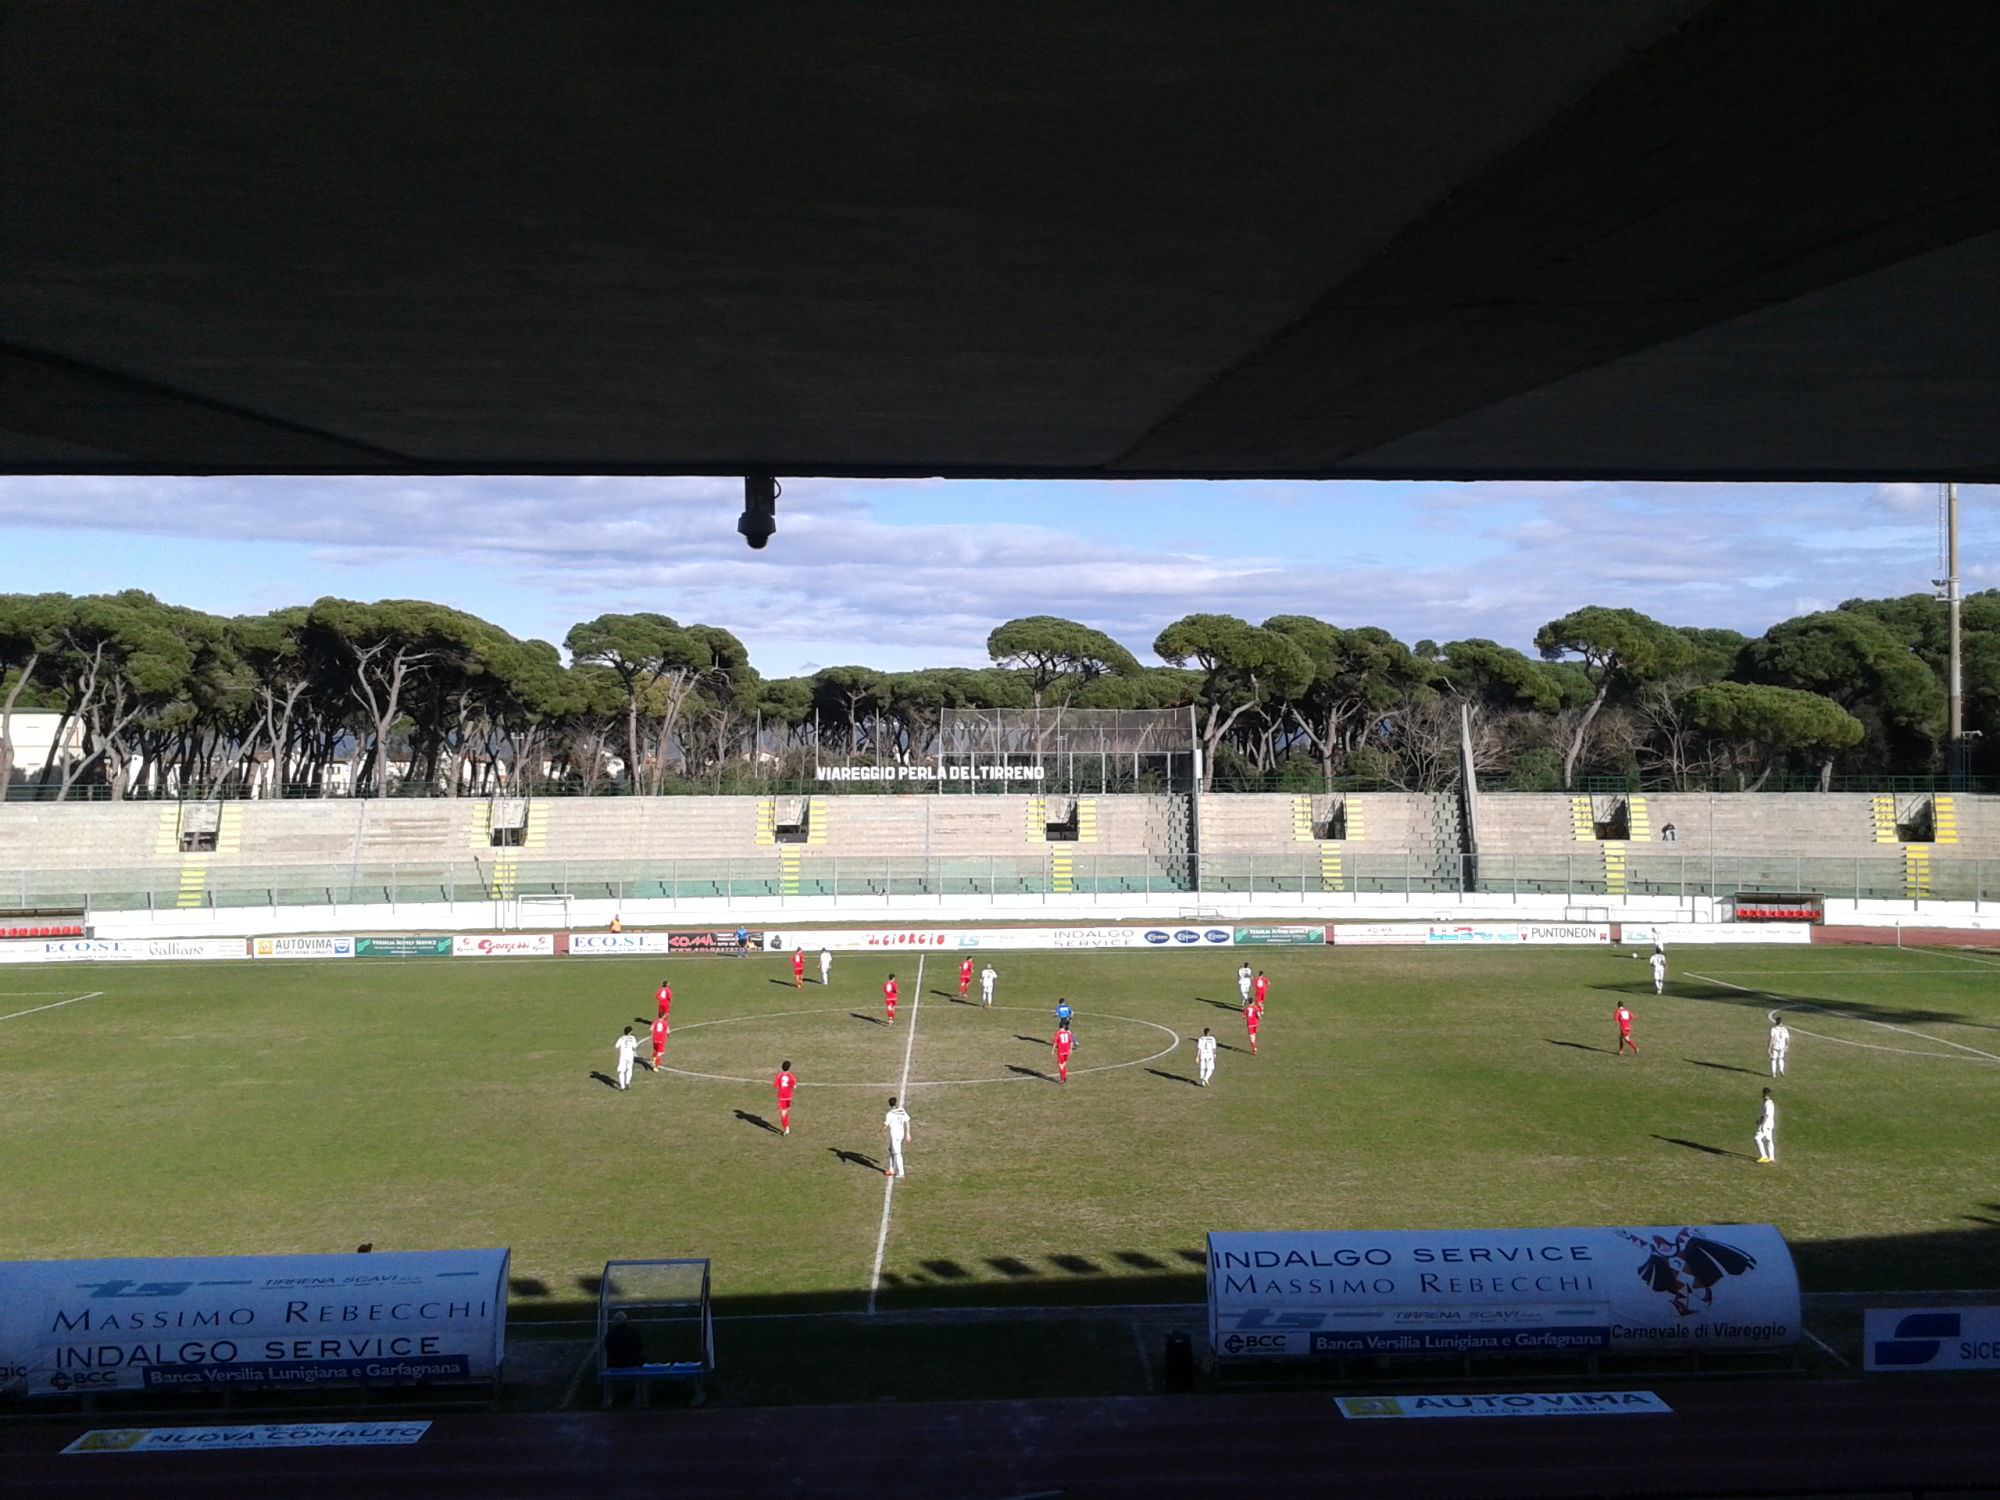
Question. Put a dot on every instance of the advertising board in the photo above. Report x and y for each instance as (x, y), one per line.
(1931, 1338)
(1379, 934)
(1505, 1404)
(122, 950)
(958, 939)
(268, 1322)
(1350, 1293)
(302, 947)
(402, 945)
(1642, 934)
(1475, 934)
(623, 942)
(1281, 937)
(251, 1435)
(504, 945)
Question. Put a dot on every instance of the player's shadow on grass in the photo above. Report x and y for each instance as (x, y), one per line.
(1723, 1067)
(871, 1020)
(1219, 1004)
(605, 1078)
(1579, 1046)
(1861, 1010)
(1032, 1041)
(1224, 1046)
(1174, 1077)
(784, 984)
(856, 1158)
(1703, 1147)
(1029, 1072)
(758, 1120)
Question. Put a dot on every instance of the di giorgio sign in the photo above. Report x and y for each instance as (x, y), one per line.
(1341, 1294)
(267, 1322)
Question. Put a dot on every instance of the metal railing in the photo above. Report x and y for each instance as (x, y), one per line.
(168, 887)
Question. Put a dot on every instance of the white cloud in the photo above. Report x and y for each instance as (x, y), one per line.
(840, 582)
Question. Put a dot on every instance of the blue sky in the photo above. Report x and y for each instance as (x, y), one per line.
(910, 573)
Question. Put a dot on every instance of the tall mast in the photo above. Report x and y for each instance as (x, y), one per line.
(1955, 696)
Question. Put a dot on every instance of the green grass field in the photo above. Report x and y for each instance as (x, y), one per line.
(274, 1107)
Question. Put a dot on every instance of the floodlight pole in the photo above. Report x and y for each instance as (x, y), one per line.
(1956, 729)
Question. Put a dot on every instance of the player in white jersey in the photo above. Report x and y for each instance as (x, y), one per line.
(1204, 1055)
(1659, 972)
(987, 979)
(896, 1125)
(1243, 983)
(1781, 1043)
(628, 1048)
(825, 965)
(1767, 1132)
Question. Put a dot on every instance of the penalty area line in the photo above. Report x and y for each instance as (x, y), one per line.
(889, 1183)
(58, 1005)
(1845, 1015)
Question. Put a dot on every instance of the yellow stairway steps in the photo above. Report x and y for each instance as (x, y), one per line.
(1582, 823)
(1944, 820)
(1883, 811)
(1916, 871)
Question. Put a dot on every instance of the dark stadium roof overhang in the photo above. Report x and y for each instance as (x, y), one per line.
(1392, 238)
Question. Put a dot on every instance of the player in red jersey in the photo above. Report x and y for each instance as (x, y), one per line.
(1253, 1017)
(784, 1083)
(1062, 1041)
(659, 1041)
(1260, 988)
(890, 994)
(798, 968)
(665, 996)
(1625, 1030)
(965, 979)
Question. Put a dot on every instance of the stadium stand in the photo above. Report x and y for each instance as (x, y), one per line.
(1876, 846)
(1356, 841)
(181, 855)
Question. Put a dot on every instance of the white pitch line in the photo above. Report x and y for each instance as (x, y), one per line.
(889, 1183)
(94, 994)
(1984, 963)
(1848, 1041)
(1830, 1010)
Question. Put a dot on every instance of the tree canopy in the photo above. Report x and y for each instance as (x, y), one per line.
(399, 693)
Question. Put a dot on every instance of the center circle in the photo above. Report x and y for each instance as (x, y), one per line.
(829, 1036)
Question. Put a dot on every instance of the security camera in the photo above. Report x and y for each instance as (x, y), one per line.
(759, 521)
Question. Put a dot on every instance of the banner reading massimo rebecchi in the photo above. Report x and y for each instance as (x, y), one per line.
(1336, 1294)
(269, 1321)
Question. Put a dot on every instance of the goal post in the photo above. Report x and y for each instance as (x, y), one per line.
(654, 1323)
(536, 911)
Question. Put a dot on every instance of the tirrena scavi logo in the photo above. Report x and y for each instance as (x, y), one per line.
(1918, 1339)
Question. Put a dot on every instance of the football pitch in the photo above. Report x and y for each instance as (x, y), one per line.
(313, 1106)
